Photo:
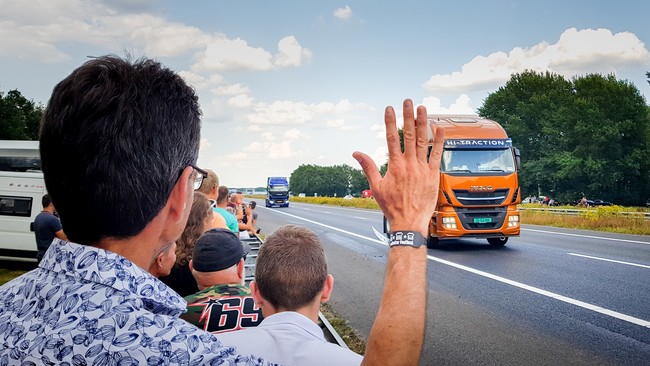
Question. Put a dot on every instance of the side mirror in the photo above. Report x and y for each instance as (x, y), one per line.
(517, 158)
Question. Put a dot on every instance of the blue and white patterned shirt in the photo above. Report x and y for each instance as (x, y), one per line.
(88, 306)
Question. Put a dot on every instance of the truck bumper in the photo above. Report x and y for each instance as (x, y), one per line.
(476, 223)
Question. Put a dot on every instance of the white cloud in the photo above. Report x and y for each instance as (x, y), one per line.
(222, 53)
(205, 143)
(462, 105)
(339, 124)
(295, 134)
(286, 112)
(380, 156)
(232, 89)
(240, 101)
(343, 13)
(200, 82)
(268, 136)
(577, 51)
(379, 130)
(291, 53)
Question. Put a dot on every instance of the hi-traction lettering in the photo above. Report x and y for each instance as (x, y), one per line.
(478, 143)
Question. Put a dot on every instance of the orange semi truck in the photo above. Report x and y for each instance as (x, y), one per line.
(479, 186)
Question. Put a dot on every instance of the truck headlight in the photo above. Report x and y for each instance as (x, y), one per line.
(449, 222)
(513, 221)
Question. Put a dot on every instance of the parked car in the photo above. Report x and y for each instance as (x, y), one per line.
(600, 203)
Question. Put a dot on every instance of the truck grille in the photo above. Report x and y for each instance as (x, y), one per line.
(494, 198)
(481, 218)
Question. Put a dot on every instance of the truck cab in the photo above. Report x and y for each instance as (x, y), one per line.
(277, 192)
(479, 184)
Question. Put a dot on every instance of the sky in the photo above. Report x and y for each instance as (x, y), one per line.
(284, 83)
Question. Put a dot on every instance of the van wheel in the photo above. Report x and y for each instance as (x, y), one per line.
(433, 242)
(498, 242)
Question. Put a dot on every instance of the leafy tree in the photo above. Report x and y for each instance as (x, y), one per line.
(19, 117)
(337, 180)
(590, 134)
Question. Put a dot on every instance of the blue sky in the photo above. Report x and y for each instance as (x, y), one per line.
(284, 83)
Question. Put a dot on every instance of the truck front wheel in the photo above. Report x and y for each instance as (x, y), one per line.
(498, 242)
(432, 242)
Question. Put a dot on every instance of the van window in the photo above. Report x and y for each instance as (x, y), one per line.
(20, 164)
(15, 206)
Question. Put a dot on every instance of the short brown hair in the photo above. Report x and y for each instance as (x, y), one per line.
(209, 182)
(291, 267)
(222, 194)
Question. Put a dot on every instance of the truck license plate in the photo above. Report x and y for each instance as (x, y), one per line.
(482, 220)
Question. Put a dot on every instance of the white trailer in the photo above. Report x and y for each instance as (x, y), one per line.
(21, 189)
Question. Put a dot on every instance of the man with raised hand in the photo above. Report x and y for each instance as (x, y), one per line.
(407, 195)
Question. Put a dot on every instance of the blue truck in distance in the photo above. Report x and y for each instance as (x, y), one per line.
(277, 192)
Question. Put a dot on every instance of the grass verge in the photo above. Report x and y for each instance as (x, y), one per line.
(349, 335)
(7, 275)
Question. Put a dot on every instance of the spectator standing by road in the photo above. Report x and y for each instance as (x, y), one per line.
(209, 187)
(221, 207)
(47, 226)
(224, 302)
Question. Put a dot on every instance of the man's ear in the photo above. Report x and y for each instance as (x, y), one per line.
(327, 289)
(255, 291)
(191, 264)
(240, 269)
(179, 198)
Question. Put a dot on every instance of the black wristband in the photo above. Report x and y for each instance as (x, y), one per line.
(406, 238)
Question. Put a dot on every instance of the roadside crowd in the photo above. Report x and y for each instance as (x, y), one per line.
(145, 226)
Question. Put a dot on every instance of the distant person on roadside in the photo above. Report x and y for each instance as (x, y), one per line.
(253, 205)
(242, 213)
(180, 278)
(222, 209)
(223, 303)
(291, 281)
(47, 226)
(209, 188)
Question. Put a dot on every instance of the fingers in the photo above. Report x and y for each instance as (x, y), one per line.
(438, 144)
(392, 136)
(369, 167)
(422, 134)
(409, 129)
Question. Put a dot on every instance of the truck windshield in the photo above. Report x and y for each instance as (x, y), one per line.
(477, 161)
(280, 188)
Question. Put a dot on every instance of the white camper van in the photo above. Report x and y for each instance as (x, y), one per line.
(21, 189)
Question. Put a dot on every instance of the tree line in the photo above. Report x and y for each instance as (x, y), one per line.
(331, 181)
(590, 135)
(19, 117)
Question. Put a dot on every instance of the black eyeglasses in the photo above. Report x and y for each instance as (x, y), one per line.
(199, 177)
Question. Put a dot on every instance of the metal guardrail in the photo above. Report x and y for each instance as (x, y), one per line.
(254, 242)
(576, 212)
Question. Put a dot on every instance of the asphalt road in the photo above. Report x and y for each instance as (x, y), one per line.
(550, 297)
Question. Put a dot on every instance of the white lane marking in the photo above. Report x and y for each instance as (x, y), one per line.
(609, 260)
(359, 217)
(568, 300)
(327, 212)
(588, 236)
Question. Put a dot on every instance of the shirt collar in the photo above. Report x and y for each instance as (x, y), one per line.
(292, 317)
(90, 264)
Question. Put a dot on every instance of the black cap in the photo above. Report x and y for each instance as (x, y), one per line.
(217, 249)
